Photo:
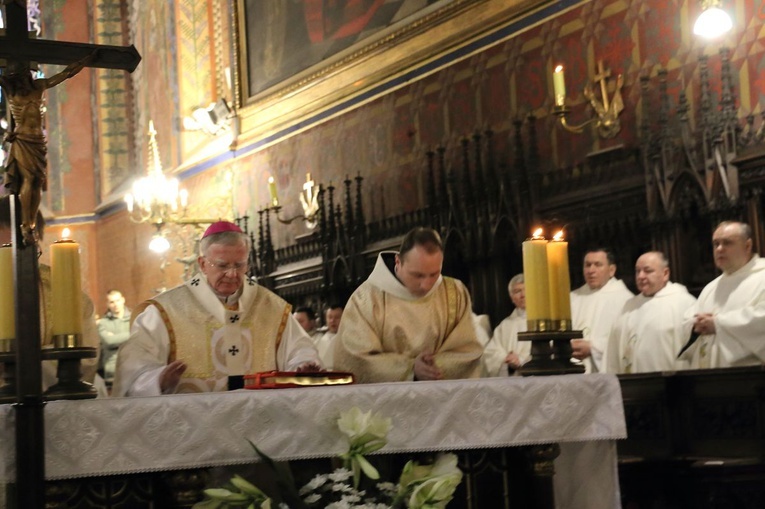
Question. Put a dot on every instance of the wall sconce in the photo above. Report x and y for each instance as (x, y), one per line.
(309, 197)
(607, 110)
(214, 119)
(713, 21)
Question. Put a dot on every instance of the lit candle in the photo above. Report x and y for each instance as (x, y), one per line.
(66, 293)
(560, 282)
(559, 86)
(536, 277)
(7, 311)
(272, 191)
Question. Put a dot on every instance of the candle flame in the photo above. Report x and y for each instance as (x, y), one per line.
(537, 233)
(65, 233)
(559, 68)
(558, 236)
(270, 180)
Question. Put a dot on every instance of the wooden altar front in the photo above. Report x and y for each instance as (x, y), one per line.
(120, 448)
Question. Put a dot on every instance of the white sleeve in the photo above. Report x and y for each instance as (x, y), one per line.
(296, 348)
(495, 352)
(142, 358)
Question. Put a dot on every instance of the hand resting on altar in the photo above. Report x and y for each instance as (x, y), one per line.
(581, 349)
(171, 375)
(425, 367)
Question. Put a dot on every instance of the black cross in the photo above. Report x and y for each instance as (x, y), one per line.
(17, 46)
(233, 350)
(234, 318)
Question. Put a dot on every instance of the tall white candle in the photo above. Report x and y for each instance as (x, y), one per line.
(560, 280)
(559, 86)
(66, 289)
(7, 311)
(536, 277)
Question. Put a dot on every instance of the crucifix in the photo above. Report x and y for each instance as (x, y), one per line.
(28, 165)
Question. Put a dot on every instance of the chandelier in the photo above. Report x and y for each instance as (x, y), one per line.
(155, 198)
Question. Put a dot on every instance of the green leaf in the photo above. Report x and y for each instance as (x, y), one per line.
(218, 493)
(373, 447)
(210, 503)
(367, 467)
(247, 487)
(356, 469)
(284, 480)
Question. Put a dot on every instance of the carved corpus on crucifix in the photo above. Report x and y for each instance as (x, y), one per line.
(26, 166)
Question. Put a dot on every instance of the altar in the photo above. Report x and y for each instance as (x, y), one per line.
(582, 413)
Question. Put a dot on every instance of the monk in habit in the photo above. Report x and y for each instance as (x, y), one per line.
(407, 321)
(205, 334)
(650, 331)
(728, 321)
(595, 306)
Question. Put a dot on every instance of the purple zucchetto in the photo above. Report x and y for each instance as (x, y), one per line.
(220, 227)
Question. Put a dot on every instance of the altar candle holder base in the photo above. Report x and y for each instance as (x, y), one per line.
(69, 385)
(8, 390)
(550, 353)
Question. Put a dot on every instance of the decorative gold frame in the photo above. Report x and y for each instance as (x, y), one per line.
(389, 53)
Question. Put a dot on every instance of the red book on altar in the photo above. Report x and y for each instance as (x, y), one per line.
(285, 379)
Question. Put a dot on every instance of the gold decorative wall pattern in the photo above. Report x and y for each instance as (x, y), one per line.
(114, 98)
(197, 85)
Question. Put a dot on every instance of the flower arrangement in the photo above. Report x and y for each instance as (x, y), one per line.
(418, 487)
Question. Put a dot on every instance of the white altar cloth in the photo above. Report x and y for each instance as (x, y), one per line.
(131, 435)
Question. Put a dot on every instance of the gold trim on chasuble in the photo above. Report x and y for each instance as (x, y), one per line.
(450, 286)
(264, 343)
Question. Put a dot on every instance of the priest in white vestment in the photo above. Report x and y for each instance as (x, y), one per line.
(210, 331)
(504, 354)
(650, 331)
(728, 321)
(325, 342)
(407, 322)
(595, 306)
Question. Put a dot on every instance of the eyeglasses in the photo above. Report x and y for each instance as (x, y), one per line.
(239, 267)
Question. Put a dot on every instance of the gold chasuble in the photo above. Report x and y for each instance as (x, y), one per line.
(385, 327)
(217, 341)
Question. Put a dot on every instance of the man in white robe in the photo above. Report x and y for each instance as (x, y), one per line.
(650, 331)
(325, 342)
(504, 354)
(407, 322)
(205, 334)
(728, 321)
(306, 317)
(595, 306)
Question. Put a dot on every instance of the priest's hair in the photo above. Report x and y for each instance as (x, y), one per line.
(744, 228)
(516, 279)
(427, 238)
(228, 238)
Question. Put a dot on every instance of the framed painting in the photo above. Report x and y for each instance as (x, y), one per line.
(286, 37)
(299, 56)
